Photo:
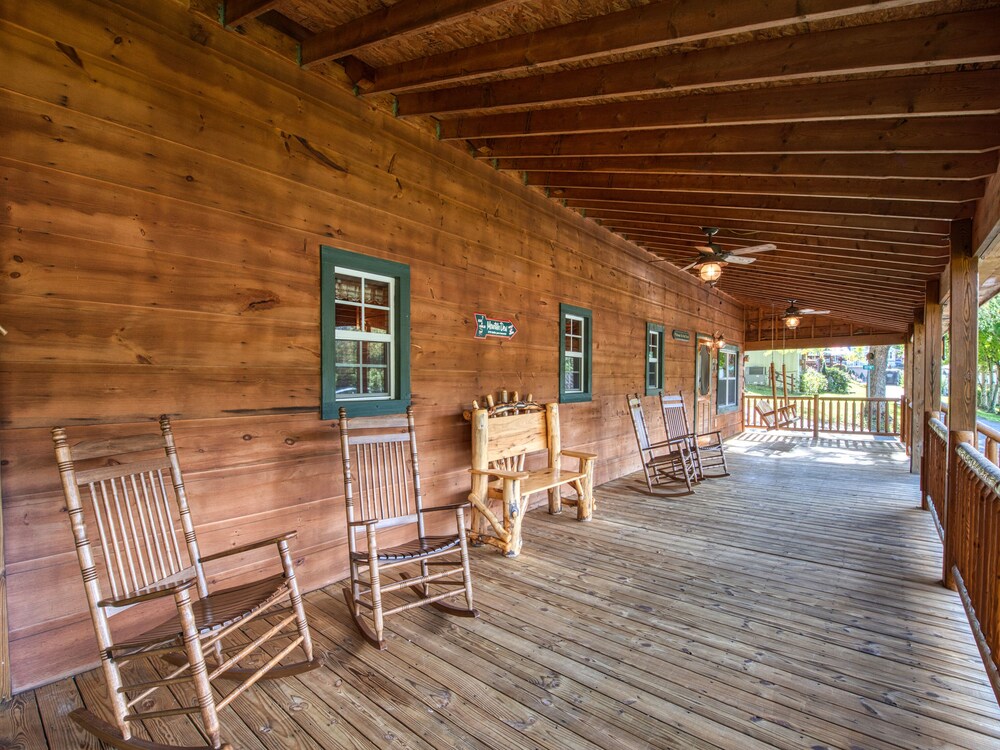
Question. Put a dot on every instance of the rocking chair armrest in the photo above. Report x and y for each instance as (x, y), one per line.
(452, 506)
(147, 593)
(369, 522)
(247, 547)
(579, 454)
(500, 474)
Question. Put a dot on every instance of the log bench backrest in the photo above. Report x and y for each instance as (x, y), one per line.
(503, 440)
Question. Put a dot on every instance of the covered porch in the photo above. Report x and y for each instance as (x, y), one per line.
(759, 612)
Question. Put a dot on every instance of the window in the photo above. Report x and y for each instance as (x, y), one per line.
(365, 334)
(574, 354)
(727, 386)
(654, 359)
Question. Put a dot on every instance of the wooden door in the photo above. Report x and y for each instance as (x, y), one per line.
(704, 385)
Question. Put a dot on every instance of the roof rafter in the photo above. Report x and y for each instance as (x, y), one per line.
(973, 134)
(650, 26)
(916, 166)
(958, 39)
(973, 92)
(405, 17)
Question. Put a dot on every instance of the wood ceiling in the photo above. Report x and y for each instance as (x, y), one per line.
(847, 133)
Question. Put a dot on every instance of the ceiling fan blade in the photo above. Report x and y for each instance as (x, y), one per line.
(705, 250)
(809, 311)
(692, 264)
(740, 261)
(755, 249)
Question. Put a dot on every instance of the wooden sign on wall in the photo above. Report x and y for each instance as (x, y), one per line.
(503, 329)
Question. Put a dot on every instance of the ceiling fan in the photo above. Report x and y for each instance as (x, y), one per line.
(713, 257)
(793, 315)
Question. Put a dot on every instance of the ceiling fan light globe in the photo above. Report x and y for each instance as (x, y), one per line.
(710, 271)
(792, 321)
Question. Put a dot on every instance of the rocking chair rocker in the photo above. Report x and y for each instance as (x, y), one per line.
(136, 511)
(383, 473)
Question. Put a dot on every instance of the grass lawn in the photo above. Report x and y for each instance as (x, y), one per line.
(857, 390)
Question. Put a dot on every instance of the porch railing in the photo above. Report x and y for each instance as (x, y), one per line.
(976, 516)
(872, 416)
(975, 535)
(936, 471)
(988, 437)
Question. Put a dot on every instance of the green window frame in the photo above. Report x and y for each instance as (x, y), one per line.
(727, 391)
(654, 358)
(374, 352)
(575, 354)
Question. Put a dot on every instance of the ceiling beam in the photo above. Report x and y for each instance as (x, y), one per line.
(844, 301)
(932, 191)
(235, 12)
(405, 17)
(656, 25)
(819, 341)
(965, 93)
(762, 217)
(914, 166)
(967, 38)
(808, 203)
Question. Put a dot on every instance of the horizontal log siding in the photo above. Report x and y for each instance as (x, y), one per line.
(167, 188)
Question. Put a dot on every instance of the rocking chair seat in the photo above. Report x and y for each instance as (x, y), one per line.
(218, 610)
(414, 549)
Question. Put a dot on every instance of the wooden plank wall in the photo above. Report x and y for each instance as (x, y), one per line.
(167, 186)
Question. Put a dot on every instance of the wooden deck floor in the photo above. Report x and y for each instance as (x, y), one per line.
(795, 604)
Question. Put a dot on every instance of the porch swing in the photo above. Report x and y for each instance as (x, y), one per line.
(778, 413)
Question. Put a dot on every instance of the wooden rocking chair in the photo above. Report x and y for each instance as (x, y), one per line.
(668, 459)
(135, 499)
(707, 448)
(382, 470)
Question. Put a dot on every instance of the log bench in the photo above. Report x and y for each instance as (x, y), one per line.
(503, 435)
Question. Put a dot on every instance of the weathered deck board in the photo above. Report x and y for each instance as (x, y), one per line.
(795, 604)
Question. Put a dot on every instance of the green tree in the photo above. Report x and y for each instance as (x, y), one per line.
(989, 354)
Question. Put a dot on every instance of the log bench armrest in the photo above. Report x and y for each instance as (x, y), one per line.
(252, 545)
(500, 474)
(147, 593)
(579, 454)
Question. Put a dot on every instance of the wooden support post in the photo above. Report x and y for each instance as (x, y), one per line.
(931, 372)
(963, 342)
(5, 682)
(917, 421)
(907, 436)
(815, 416)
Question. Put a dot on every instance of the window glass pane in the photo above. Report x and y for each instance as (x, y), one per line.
(348, 288)
(651, 375)
(375, 353)
(347, 352)
(347, 380)
(574, 344)
(731, 365)
(375, 380)
(573, 368)
(348, 317)
(376, 292)
(376, 320)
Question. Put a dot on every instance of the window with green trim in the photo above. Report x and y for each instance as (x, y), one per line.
(574, 353)
(654, 359)
(727, 385)
(365, 334)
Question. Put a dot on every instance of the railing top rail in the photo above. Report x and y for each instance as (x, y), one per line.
(939, 428)
(991, 432)
(982, 467)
